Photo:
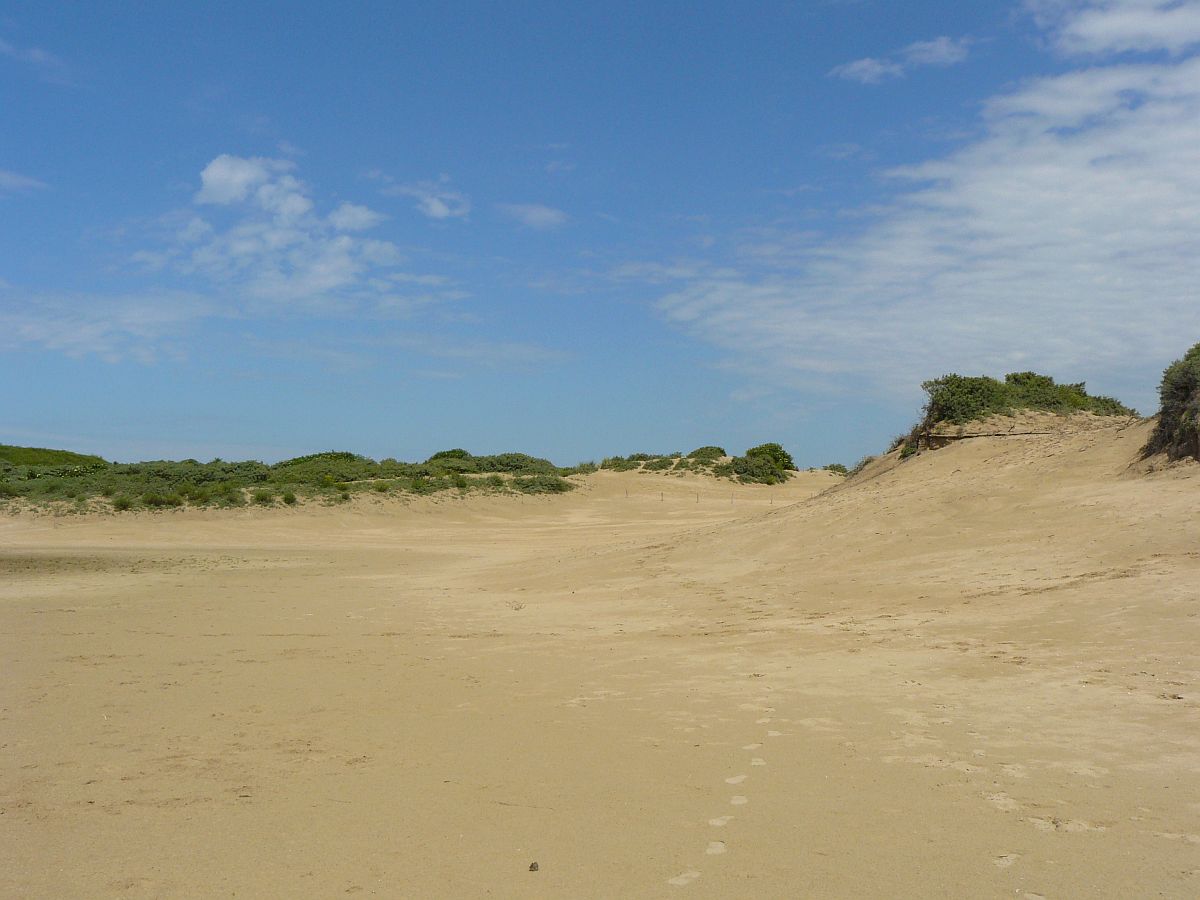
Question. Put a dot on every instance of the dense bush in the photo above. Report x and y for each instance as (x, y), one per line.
(837, 468)
(958, 399)
(1178, 430)
(778, 457)
(758, 470)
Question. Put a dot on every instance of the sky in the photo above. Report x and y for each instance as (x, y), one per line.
(257, 230)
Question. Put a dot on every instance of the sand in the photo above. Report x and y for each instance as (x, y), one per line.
(971, 674)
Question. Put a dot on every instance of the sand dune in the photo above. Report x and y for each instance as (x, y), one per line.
(970, 674)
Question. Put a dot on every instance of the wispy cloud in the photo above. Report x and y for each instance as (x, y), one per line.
(352, 217)
(15, 181)
(1114, 26)
(144, 327)
(1065, 238)
(46, 64)
(941, 51)
(868, 70)
(435, 199)
(534, 215)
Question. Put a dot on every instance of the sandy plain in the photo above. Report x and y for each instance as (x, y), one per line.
(973, 674)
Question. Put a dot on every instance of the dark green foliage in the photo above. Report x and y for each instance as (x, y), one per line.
(760, 469)
(836, 467)
(1178, 430)
(661, 464)
(908, 450)
(620, 463)
(263, 497)
(158, 501)
(958, 399)
(289, 497)
(456, 453)
(540, 484)
(708, 454)
(121, 503)
(778, 457)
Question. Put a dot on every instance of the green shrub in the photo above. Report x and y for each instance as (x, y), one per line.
(710, 453)
(777, 456)
(382, 487)
(460, 481)
(263, 497)
(620, 463)
(39, 456)
(1177, 432)
(758, 470)
(155, 500)
(959, 399)
(541, 484)
(495, 482)
(837, 468)
(659, 465)
(121, 503)
(289, 497)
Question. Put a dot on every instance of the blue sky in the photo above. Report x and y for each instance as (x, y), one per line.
(578, 229)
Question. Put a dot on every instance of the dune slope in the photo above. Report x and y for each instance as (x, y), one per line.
(970, 674)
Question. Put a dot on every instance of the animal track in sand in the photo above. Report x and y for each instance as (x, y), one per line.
(774, 733)
(752, 746)
(763, 721)
(739, 800)
(736, 779)
(685, 878)
(758, 761)
(1004, 860)
(715, 847)
(720, 821)
(1054, 823)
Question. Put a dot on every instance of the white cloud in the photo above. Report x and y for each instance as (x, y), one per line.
(941, 51)
(15, 181)
(868, 71)
(1108, 26)
(435, 199)
(534, 215)
(351, 217)
(268, 247)
(1065, 239)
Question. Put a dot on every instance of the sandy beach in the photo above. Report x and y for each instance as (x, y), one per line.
(970, 674)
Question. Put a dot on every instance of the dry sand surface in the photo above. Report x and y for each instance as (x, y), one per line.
(973, 674)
